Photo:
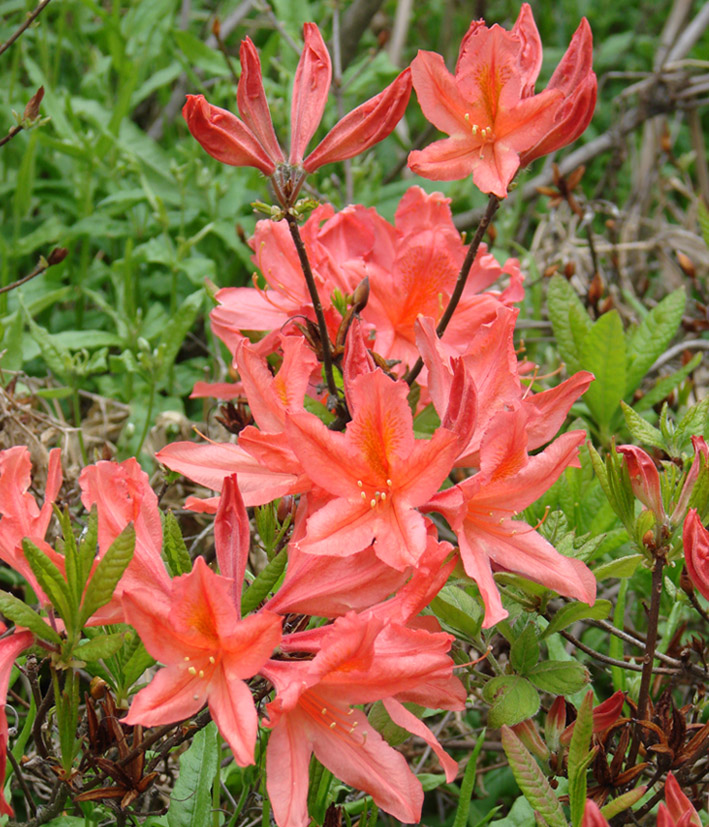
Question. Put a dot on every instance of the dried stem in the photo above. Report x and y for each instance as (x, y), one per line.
(31, 17)
(60, 793)
(621, 664)
(57, 255)
(11, 134)
(23, 783)
(492, 205)
(315, 298)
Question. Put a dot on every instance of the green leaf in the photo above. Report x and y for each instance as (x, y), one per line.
(579, 759)
(191, 797)
(56, 357)
(199, 54)
(88, 545)
(21, 614)
(569, 614)
(559, 677)
(100, 647)
(174, 549)
(467, 784)
(622, 802)
(458, 611)
(569, 320)
(603, 353)
(263, 584)
(531, 780)
(524, 652)
(177, 328)
(512, 700)
(622, 567)
(641, 429)
(108, 572)
(651, 338)
(703, 218)
(136, 664)
(667, 384)
(50, 579)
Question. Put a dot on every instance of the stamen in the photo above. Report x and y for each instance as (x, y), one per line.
(383, 495)
(192, 670)
(389, 483)
(363, 496)
(333, 725)
(195, 697)
(211, 659)
(373, 503)
(324, 710)
(186, 659)
(359, 483)
(201, 673)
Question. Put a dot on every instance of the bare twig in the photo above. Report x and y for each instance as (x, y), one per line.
(621, 664)
(23, 783)
(355, 22)
(58, 254)
(31, 17)
(15, 130)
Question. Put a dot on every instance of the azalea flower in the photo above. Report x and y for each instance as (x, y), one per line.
(358, 660)
(696, 552)
(481, 511)
(207, 651)
(252, 141)
(495, 121)
(376, 474)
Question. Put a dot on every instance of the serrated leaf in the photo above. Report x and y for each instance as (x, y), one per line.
(108, 572)
(531, 780)
(75, 584)
(622, 567)
(467, 784)
(524, 652)
(50, 579)
(559, 677)
(641, 429)
(21, 614)
(569, 614)
(569, 320)
(100, 647)
(579, 758)
(512, 700)
(88, 544)
(192, 794)
(694, 421)
(263, 584)
(173, 548)
(603, 353)
(667, 384)
(652, 336)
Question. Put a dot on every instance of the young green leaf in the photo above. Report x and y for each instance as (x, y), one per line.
(603, 353)
(100, 647)
(569, 614)
(569, 320)
(136, 665)
(50, 579)
(663, 387)
(21, 614)
(524, 652)
(467, 784)
(108, 572)
(531, 780)
(192, 795)
(559, 677)
(512, 700)
(579, 759)
(641, 429)
(263, 584)
(174, 549)
(88, 545)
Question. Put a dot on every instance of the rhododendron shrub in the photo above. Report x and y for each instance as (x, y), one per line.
(385, 441)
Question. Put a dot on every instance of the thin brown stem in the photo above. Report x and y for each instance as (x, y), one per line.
(315, 298)
(492, 205)
(217, 32)
(11, 134)
(31, 17)
(621, 664)
(23, 783)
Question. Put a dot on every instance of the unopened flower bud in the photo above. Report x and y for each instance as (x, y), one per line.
(31, 112)
(57, 255)
(360, 297)
(555, 723)
(528, 734)
(97, 688)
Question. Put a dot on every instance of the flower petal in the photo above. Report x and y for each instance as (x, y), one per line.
(310, 90)
(252, 102)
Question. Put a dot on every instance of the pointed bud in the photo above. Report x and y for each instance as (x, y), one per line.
(360, 297)
(644, 479)
(57, 255)
(592, 816)
(529, 735)
(696, 552)
(679, 806)
(700, 463)
(364, 126)
(31, 112)
(555, 723)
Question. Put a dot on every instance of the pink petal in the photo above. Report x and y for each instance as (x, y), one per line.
(234, 713)
(448, 160)
(232, 538)
(252, 102)
(287, 763)
(439, 97)
(310, 90)
(530, 55)
(224, 136)
(169, 697)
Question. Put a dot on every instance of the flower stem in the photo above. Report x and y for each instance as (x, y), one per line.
(315, 298)
(492, 205)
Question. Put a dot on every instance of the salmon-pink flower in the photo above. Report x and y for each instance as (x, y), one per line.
(605, 714)
(677, 809)
(495, 121)
(358, 660)
(376, 473)
(696, 552)
(207, 652)
(482, 508)
(252, 141)
(644, 479)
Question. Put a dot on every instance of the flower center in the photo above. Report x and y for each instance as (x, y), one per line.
(374, 497)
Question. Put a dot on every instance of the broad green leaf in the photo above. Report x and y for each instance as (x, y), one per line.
(559, 677)
(641, 429)
(569, 614)
(667, 384)
(56, 357)
(569, 320)
(512, 700)
(695, 421)
(579, 759)
(524, 652)
(191, 797)
(21, 614)
(174, 549)
(531, 780)
(100, 647)
(108, 572)
(50, 579)
(603, 353)
(651, 338)
(458, 611)
(263, 584)
(467, 784)
(622, 567)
